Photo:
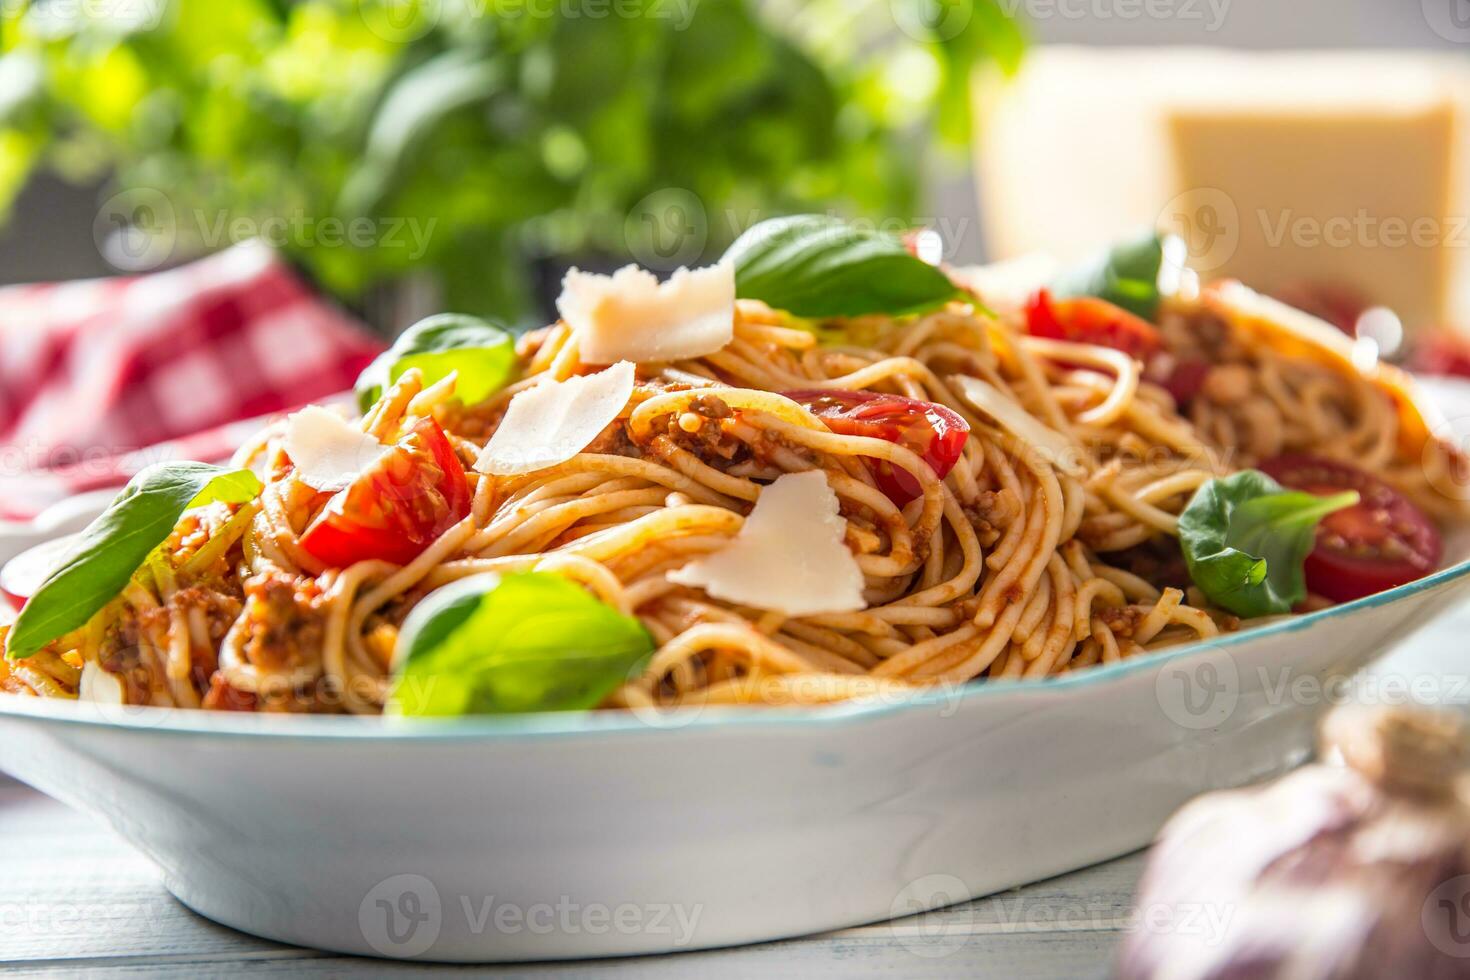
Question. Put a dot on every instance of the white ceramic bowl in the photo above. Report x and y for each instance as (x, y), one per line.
(555, 836)
(578, 835)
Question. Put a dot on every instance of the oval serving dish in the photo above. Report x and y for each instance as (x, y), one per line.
(612, 833)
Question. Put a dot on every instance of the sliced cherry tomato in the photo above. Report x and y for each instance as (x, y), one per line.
(1441, 351)
(1182, 379)
(397, 507)
(932, 431)
(1086, 320)
(1379, 543)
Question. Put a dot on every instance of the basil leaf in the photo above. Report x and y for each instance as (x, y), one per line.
(1246, 540)
(817, 266)
(1126, 275)
(495, 644)
(117, 543)
(483, 353)
(413, 108)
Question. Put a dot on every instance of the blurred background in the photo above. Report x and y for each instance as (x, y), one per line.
(411, 155)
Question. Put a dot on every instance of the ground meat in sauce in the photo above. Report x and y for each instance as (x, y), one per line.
(711, 407)
(285, 620)
(613, 441)
(120, 653)
(220, 610)
(991, 513)
(1122, 620)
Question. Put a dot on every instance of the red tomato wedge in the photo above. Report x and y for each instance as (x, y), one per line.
(1086, 320)
(397, 507)
(1181, 379)
(1379, 543)
(932, 431)
(23, 574)
(1441, 351)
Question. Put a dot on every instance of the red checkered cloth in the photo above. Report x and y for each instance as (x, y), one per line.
(99, 378)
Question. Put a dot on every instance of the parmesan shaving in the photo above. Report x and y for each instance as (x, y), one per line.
(1056, 449)
(328, 451)
(789, 556)
(553, 421)
(630, 316)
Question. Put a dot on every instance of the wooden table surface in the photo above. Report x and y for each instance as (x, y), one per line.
(77, 901)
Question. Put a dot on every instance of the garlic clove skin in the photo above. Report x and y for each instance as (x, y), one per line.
(1330, 872)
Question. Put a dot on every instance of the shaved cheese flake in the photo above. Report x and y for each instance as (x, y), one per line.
(630, 316)
(788, 557)
(329, 452)
(98, 685)
(1055, 448)
(553, 421)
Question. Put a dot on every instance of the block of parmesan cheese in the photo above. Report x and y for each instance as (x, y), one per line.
(1334, 173)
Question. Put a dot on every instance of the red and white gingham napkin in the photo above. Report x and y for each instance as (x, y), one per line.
(99, 378)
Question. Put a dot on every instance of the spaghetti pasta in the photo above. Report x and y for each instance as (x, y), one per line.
(1014, 564)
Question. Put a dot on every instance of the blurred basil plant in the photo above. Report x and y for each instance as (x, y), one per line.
(479, 140)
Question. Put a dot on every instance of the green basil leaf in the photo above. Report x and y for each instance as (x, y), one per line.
(117, 543)
(817, 266)
(483, 353)
(413, 108)
(1246, 541)
(505, 644)
(1126, 275)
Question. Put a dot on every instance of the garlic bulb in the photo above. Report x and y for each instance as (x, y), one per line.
(1340, 872)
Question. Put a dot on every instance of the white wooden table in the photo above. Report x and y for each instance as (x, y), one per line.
(77, 901)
